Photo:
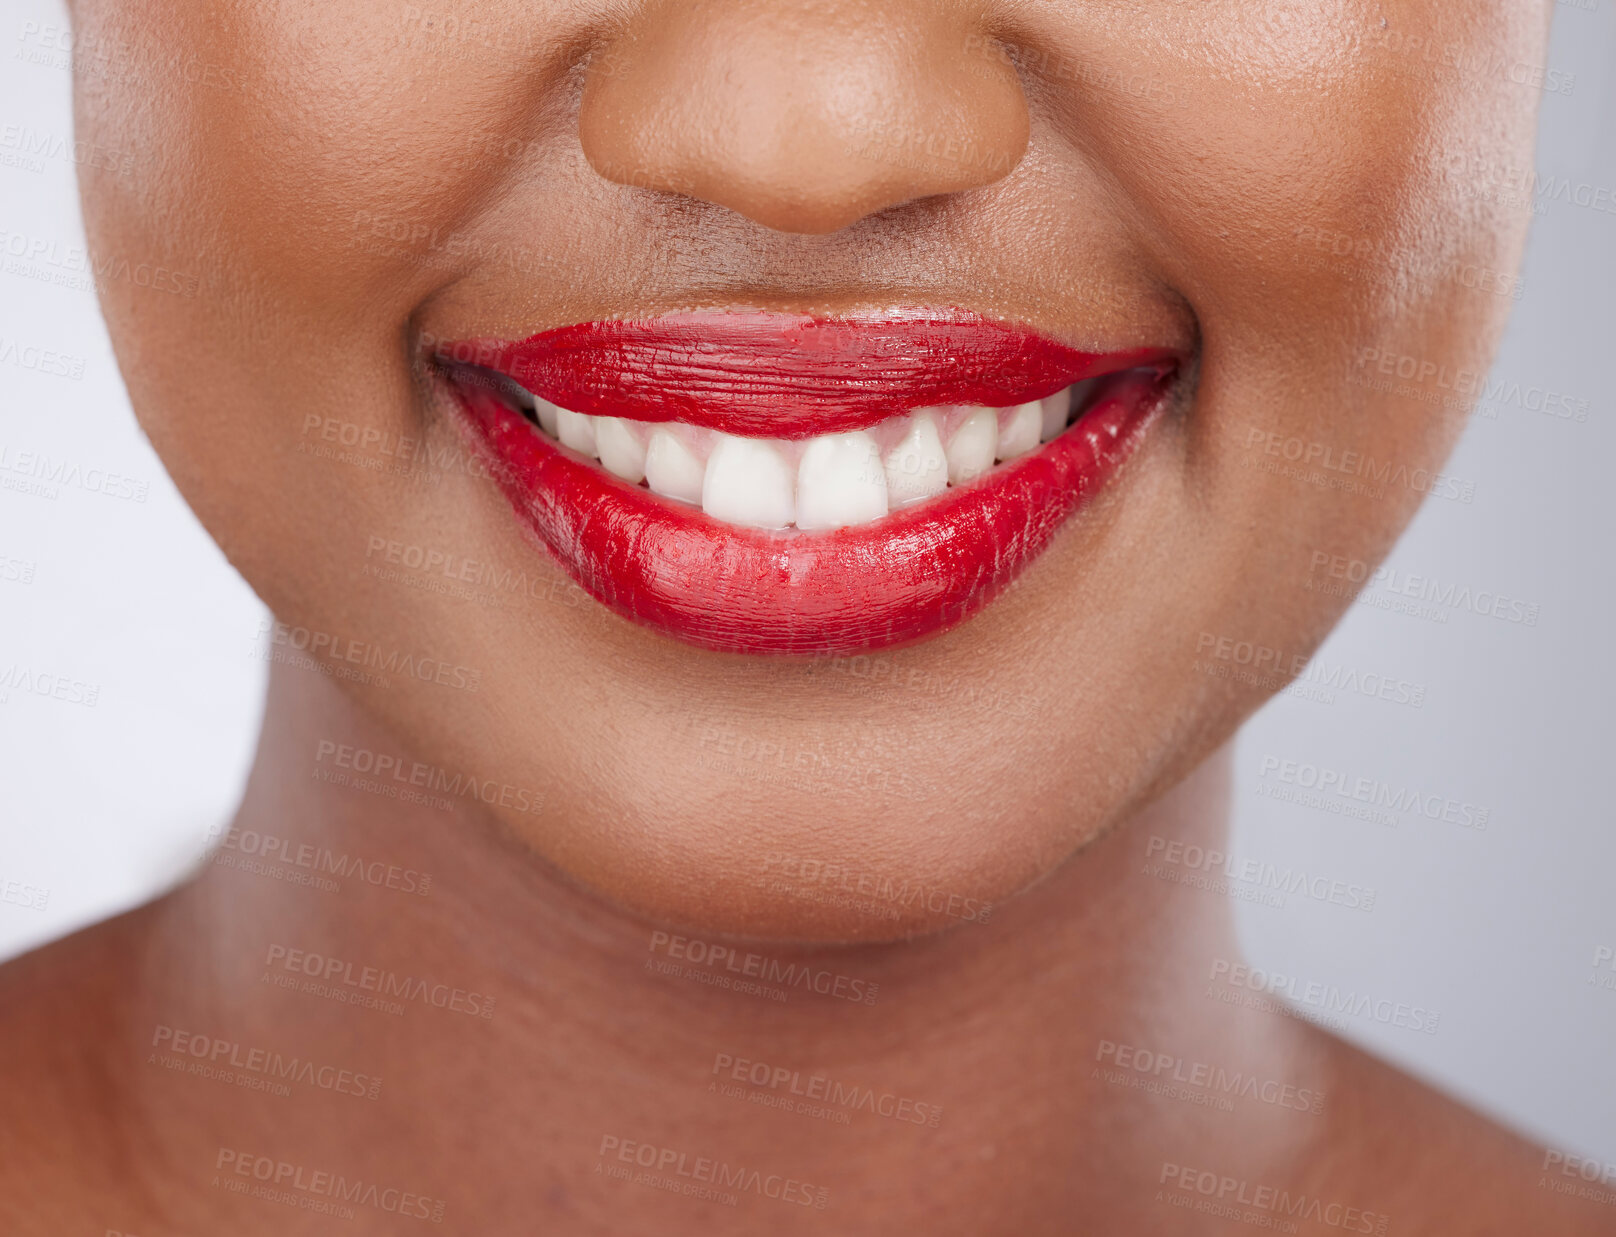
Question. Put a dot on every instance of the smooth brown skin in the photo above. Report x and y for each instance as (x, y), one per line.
(1144, 172)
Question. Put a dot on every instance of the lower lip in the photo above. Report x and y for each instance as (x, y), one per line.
(913, 574)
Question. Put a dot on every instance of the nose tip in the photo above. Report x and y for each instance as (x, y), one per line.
(803, 118)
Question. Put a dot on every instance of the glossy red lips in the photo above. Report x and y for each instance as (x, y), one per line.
(787, 376)
(911, 574)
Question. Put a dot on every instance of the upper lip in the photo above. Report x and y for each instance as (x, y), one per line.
(773, 375)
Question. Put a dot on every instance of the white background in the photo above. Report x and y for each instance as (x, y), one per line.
(1495, 930)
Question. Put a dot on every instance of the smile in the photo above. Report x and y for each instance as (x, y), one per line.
(768, 483)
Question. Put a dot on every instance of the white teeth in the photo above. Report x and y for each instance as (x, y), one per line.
(840, 482)
(748, 482)
(1055, 409)
(972, 448)
(621, 451)
(917, 467)
(1020, 432)
(672, 469)
(547, 415)
(827, 482)
(576, 430)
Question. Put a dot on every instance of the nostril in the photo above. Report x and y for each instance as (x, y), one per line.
(801, 121)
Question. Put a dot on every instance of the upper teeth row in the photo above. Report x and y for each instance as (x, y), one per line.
(830, 481)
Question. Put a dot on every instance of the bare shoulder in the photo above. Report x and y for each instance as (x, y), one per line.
(67, 1149)
(1426, 1163)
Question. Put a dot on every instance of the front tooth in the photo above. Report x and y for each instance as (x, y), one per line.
(1021, 430)
(970, 452)
(840, 482)
(576, 430)
(547, 415)
(1056, 408)
(672, 469)
(748, 482)
(917, 467)
(621, 452)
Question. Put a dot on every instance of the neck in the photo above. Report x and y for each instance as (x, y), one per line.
(489, 995)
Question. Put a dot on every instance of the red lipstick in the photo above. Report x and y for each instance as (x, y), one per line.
(765, 375)
(910, 574)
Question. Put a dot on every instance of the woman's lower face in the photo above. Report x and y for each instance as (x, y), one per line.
(891, 437)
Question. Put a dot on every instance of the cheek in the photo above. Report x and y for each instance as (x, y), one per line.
(1306, 176)
(1322, 204)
